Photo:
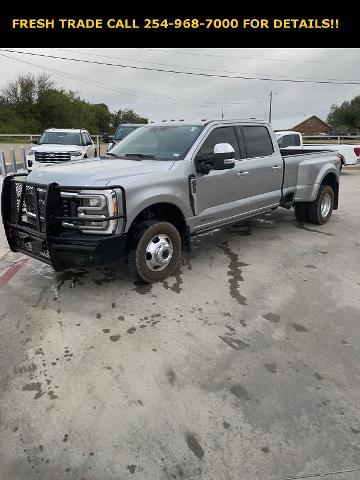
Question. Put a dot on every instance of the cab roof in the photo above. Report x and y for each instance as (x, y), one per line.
(285, 132)
(131, 125)
(204, 122)
(65, 130)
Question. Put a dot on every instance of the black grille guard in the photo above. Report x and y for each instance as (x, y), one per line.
(43, 236)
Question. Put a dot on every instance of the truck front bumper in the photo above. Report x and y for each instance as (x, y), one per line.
(45, 237)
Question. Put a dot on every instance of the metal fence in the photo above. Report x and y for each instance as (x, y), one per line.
(30, 136)
(14, 165)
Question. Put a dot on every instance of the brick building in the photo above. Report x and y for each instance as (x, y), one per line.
(312, 126)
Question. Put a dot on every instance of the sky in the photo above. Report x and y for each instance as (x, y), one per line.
(159, 95)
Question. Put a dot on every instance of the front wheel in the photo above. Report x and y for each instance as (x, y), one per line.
(154, 251)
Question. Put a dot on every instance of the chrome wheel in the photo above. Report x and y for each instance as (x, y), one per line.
(159, 252)
(325, 206)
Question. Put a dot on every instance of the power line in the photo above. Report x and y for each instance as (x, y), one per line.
(181, 66)
(199, 74)
(113, 88)
(247, 58)
(89, 81)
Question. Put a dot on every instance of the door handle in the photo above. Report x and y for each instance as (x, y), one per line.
(277, 167)
(242, 174)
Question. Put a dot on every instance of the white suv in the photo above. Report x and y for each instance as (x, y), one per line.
(60, 145)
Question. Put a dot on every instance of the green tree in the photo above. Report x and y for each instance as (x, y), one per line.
(31, 104)
(18, 103)
(126, 116)
(101, 118)
(346, 116)
(55, 109)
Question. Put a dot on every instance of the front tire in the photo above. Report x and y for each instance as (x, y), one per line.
(154, 251)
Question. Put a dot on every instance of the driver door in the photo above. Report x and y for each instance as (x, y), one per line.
(218, 191)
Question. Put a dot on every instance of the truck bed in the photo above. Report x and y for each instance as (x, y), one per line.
(286, 152)
(303, 170)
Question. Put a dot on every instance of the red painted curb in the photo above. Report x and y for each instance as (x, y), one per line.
(10, 272)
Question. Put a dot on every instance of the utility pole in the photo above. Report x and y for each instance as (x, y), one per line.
(270, 104)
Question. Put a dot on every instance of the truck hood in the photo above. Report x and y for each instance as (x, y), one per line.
(96, 172)
(53, 147)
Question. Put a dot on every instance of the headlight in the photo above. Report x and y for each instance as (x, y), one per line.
(91, 212)
(31, 151)
(92, 203)
(75, 154)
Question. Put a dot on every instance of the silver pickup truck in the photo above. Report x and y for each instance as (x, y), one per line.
(161, 185)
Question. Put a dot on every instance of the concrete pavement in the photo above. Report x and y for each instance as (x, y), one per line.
(243, 365)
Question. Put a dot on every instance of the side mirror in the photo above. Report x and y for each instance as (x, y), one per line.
(34, 142)
(224, 156)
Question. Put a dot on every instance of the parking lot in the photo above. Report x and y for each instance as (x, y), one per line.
(243, 365)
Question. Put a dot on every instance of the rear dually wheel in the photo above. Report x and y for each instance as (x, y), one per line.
(319, 211)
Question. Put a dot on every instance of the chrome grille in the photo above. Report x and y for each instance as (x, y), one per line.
(49, 157)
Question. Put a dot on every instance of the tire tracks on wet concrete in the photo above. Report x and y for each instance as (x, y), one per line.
(234, 273)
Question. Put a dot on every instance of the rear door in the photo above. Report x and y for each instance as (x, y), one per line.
(260, 172)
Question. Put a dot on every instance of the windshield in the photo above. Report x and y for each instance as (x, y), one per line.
(60, 138)
(159, 143)
(122, 132)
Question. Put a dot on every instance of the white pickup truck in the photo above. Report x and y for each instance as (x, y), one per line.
(347, 146)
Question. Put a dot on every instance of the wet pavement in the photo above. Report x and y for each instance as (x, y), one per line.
(242, 365)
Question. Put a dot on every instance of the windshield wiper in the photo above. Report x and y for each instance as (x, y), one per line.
(140, 155)
(112, 154)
